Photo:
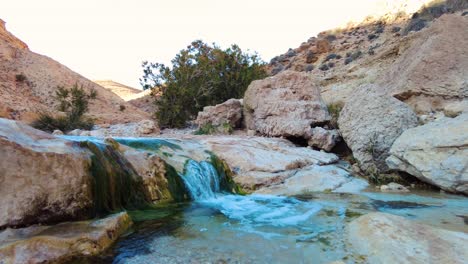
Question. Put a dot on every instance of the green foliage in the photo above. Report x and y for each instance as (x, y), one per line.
(209, 129)
(334, 109)
(200, 75)
(74, 103)
(206, 129)
(20, 77)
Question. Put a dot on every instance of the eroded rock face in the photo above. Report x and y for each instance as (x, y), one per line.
(287, 104)
(385, 238)
(370, 122)
(227, 113)
(43, 179)
(436, 153)
(62, 242)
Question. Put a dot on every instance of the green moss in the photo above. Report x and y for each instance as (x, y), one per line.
(176, 185)
(351, 214)
(226, 176)
(116, 185)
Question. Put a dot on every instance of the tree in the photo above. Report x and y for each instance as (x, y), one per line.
(200, 75)
(74, 103)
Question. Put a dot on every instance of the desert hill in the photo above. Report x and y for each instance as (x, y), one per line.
(138, 98)
(28, 81)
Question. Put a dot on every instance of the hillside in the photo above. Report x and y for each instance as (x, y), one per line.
(28, 81)
(419, 58)
(138, 98)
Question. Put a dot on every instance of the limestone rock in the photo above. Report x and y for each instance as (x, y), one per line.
(42, 178)
(62, 242)
(436, 153)
(370, 122)
(229, 112)
(317, 179)
(393, 187)
(143, 128)
(385, 238)
(57, 132)
(287, 104)
(323, 139)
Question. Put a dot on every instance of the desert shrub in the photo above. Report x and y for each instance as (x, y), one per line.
(415, 25)
(74, 103)
(348, 60)
(324, 67)
(20, 77)
(372, 36)
(331, 57)
(334, 109)
(122, 107)
(200, 75)
(309, 67)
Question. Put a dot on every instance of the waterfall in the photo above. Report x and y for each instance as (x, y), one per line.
(201, 180)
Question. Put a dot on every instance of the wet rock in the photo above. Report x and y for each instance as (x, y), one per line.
(435, 153)
(57, 132)
(62, 242)
(43, 178)
(317, 179)
(227, 113)
(385, 238)
(393, 187)
(286, 104)
(369, 124)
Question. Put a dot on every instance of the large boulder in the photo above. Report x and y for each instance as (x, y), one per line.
(63, 242)
(385, 238)
(436, 153)
(370, 122)
(287, 104)
(42, 178)
(227, 113)
(435, 64)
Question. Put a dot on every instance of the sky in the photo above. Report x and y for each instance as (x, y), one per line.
(108, 39)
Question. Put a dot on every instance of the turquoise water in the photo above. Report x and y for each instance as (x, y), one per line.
(219, 227)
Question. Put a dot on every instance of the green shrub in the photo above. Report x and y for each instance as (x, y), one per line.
(20, 77)
(74, 103)
(334, 109)
(209, 129)
(200, 75)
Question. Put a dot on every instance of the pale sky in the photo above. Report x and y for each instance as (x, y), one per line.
(108, 39)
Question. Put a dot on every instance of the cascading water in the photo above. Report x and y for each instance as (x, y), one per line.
(201, 179)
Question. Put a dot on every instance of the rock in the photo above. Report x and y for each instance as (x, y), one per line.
(323, 46)
(286, 104)
(43, 178)
(57, 132)
(317, 179)
(385, 238)
(144, 128)
(456, 108)
(251, 133)
(323, 139)
(152, 170)
(435, 64)
(436, 153)
(393, 187)
(227, 113)
(370, 122)
(63, 242)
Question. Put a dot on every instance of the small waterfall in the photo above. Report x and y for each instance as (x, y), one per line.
(201, 180)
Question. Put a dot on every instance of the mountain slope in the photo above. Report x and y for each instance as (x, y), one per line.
(28, 82)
